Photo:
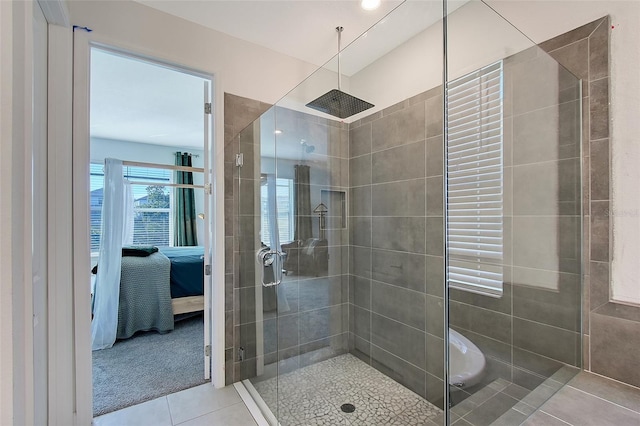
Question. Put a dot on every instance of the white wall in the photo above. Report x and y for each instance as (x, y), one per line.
(133, 151)
(6, 180)
(245, 69)
(15, 245)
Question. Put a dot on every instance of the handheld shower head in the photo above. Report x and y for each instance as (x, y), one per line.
(307, 148)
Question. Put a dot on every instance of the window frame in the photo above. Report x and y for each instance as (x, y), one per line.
(128, 173)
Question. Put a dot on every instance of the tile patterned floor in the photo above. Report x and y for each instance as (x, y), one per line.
(313, 395)
(504, 403)
(201, 405)
(587, 399)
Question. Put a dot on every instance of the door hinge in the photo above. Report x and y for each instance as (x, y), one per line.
(241, 353)
(239, 160)
(207, 350)
(208, 188)
(207, 108)
(207, 269)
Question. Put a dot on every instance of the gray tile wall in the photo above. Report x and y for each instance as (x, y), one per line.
(239, 112)
(396, 252)
(535, 326)
(611, 330)
(384, 267)
(397, 246)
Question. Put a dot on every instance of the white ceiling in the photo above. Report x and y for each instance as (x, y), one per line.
(143, 102)
(303, 29)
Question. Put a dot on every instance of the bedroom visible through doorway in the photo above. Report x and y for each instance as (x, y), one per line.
(150, 233)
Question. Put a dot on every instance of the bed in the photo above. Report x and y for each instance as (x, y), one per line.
(158, 286)
(186, 278)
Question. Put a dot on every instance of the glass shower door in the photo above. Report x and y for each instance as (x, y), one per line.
(309, 174)
(293, 261)
(256, 254)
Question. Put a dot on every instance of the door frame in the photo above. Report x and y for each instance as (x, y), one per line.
(83, 42)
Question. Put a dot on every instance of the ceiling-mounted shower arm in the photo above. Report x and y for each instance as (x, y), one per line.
(339, 30)
(336, 102)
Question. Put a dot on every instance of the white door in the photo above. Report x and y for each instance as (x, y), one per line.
(208, 235)
(39, 215)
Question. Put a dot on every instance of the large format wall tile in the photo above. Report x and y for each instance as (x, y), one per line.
(402, 269)
(551, 133)
(405, 306)
(405, 198)
(559, 307)
(552, 342)
(400, 370)
(399, 163)
(482, 321)
(614, 348)
(399, 128)
(399, 233)
(360, 140)
(406, 342)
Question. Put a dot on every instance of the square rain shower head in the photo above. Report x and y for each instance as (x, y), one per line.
(339, 104)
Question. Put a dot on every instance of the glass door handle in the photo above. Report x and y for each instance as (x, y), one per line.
(270, 258)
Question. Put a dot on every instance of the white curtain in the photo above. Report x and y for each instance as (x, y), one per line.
(117, 224)
(272, 203)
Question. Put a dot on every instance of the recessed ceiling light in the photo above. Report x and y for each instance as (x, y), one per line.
(370, 4)
(278, 132)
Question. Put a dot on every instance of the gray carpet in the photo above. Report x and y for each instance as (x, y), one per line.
(148, 365)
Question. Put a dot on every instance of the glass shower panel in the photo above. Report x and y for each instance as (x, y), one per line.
(354, 206)
(513, 219)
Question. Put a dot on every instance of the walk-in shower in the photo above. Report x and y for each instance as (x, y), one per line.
(423, 262)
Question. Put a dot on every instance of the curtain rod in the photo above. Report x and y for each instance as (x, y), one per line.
(192, 155)
(163, 166)
(175, 185)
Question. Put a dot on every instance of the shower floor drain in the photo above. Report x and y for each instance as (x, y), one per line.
(348, 408)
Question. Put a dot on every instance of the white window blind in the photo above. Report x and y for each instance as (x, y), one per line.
(152, 223)
(285, 203)
(475, 182)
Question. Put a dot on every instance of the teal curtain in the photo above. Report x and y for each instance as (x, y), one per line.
(185, 230)
(302, 211)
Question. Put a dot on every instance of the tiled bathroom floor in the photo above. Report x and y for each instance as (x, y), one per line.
(201, 405)
(587, 399)
(313, 395)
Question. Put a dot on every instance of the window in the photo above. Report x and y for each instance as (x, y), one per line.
(152, 224)
(96, 196)
(475, 182)
(285, 203)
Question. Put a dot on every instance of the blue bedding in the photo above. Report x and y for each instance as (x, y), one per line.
(187, 270)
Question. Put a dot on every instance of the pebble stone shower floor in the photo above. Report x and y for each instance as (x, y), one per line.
(313, 395)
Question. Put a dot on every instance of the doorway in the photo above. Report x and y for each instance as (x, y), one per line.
(149, 136)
